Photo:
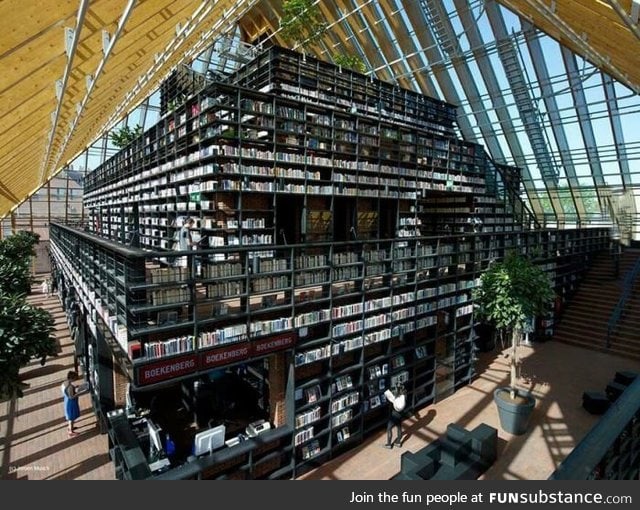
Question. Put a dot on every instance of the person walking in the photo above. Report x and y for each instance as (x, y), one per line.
(54, 282)
(397, 401)
(71, 407)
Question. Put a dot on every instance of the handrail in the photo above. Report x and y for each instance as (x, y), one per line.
(627, 287)
(514, 194)
(600, 454)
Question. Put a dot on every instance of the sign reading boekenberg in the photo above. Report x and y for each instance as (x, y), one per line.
(224, 355)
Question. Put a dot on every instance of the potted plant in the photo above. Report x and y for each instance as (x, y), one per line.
(123, 136)
(353, 62)
(510, 292)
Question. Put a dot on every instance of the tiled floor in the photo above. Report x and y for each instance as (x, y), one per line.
(34, 443)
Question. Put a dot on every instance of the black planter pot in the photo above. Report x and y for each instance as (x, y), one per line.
(514, 416)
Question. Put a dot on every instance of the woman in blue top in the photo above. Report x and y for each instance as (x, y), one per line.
(71, 406)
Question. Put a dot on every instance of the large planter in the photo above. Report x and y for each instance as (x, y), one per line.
(514, 414)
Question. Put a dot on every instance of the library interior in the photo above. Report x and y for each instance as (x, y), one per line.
(256, 223)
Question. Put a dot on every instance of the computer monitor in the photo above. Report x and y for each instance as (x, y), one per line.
(209, 440)
(167, 317)
(155, 439)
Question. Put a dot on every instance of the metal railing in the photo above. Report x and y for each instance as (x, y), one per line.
(506, 189)
(611, 449)
(627, 288)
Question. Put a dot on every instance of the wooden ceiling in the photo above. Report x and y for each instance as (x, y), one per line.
(46, 120)
(41, 129)
(604, 32)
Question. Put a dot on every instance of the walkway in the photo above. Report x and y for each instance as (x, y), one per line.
(34, 444)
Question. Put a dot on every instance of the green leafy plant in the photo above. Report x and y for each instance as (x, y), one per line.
(302, 22)
(353, 62)
(510, 292)
(230, 133)
(176, 102)
(123, 136)
(26, 332)
(16, 253)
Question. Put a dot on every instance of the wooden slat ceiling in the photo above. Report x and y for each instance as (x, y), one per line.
(33, 57)
(594, 29)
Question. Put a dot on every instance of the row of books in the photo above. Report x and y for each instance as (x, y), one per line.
(308, 417)
(345, 401)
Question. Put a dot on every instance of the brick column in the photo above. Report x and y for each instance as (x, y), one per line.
(120, 381)
(277, 388)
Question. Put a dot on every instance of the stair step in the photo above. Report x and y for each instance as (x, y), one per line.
(623, 351)
(584, 320)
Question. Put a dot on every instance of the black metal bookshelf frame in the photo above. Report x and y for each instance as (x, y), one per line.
(401, 312)
(337, 217)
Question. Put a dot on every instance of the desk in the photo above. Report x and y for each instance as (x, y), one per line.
(160, 465)
(126, 452)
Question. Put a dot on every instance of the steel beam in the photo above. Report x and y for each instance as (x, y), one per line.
(480, 52)
(551, 106)
(433, 55)
(616, 129)
(71, 46)
(107, 53)
(626, 17)
(584, 121)
(447, 36)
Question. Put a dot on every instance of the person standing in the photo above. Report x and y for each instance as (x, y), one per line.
(54, 282)
(397, 402)
(71, 407)
(185, 241)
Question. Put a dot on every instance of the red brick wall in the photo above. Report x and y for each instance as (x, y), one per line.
(277, 387)
(120, 381)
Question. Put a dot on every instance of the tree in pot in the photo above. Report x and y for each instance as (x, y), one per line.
(510, 292)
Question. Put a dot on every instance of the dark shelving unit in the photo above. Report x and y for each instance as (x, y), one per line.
(320, 198)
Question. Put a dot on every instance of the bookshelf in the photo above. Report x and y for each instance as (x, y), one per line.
(320, 197)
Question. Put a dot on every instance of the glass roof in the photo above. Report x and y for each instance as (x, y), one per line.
(572, 129)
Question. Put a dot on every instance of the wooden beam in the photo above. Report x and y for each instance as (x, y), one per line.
(115, 77)
(103, 110)
(606, 36)
(6, 193)
(25, 20)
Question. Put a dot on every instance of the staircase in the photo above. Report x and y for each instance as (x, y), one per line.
(584, 321)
